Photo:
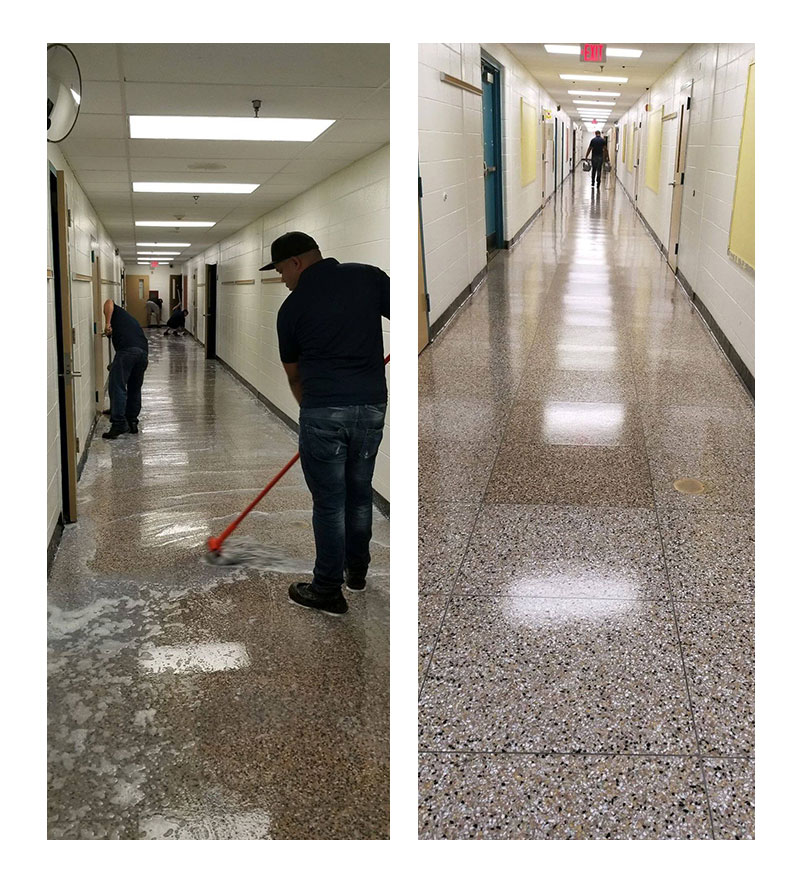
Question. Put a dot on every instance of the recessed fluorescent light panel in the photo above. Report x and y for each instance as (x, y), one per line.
(157, 253)
(562, 50)
(595, 103)
(623, 53)
(599, 79)
(174, 223)
(597, 94)
(180, 244)
(194, 188)
(227, 128)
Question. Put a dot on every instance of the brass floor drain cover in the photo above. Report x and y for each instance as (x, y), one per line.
(689, 486)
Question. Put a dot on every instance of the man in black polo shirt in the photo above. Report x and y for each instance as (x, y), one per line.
(599, 150)
(331, 346)
(127, 369)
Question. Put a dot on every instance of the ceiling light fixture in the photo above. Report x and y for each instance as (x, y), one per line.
(555, 49)
(227, 128)
(175, 223)
(623, 53)
(155, 187)
(180, 244)
(582, 103)
(597, 94)
(157, 253)
(605, 79)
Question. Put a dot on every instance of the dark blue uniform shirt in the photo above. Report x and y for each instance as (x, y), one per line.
(126, 332)
(330, 325)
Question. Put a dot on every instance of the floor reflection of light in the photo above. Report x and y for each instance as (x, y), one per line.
(569, 594)
(161, 527)
(201, 657)
(165, 457)
(602, 355)
(598, 422)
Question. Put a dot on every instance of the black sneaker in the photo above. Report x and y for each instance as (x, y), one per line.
(303, 594)
(113, 433)
(355, 582)
(134, 426)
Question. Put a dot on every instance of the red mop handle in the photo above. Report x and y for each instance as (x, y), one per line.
(215, 543)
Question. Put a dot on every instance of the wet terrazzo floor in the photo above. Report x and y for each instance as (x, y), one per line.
(187, 701)
(585, 631)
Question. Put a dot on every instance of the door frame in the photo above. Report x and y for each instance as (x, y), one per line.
(679, 174)
(497, 129)
(423, 300)
(59, 229)
(211, 311)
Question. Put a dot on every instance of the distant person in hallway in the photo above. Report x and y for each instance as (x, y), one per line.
(153, 313)
(331, 346)
(177, 320)
(127, 369)
(598, 147)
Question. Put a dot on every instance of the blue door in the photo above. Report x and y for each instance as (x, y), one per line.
(490, 77)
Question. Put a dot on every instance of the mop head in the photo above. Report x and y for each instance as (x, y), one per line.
(241, 551)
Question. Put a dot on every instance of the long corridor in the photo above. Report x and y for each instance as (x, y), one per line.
(188, 701)
(586, 628)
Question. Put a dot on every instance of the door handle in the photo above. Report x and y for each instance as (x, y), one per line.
(672, 184)
(69, 375)
(492, 168)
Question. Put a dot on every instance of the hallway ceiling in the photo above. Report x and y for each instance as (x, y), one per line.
(642, 72)
(340, 81)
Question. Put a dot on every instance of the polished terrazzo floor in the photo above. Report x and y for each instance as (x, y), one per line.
(187, 701)
(586, 631)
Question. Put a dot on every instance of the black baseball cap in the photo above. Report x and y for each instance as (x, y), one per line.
(290, 244)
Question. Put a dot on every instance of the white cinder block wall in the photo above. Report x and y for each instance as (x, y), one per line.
(451, 163)
(348, 215)
(719, 74)
(85, 228)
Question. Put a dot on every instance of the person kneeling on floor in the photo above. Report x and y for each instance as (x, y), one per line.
(177, 321)
(331, 345)
(126, 372)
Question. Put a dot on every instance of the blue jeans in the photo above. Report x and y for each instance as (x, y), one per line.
(338, 447)
(125, 386)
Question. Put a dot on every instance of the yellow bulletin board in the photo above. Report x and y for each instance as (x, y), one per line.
(624, 142)
(653, 170)
(528, 126)
(742, 243)
(632, 134)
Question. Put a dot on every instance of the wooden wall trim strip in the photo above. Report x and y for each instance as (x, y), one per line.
(76, 276)
(272, 280)
(49, 273)
(460, 84)
(109, 281)
(246, 281)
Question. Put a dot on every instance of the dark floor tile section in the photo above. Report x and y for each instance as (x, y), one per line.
(570, 475)
(731, 790)
(190, 701)
(561, 797)
(718, 648)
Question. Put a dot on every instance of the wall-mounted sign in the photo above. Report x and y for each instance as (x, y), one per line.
(548, 114)
(594, 53)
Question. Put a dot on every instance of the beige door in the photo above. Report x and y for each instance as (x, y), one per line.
(66, 375)
(422, 298)
(637, 142)
(679, 171)
(137, 291)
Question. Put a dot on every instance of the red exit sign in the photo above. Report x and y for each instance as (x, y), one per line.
(594, 53)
